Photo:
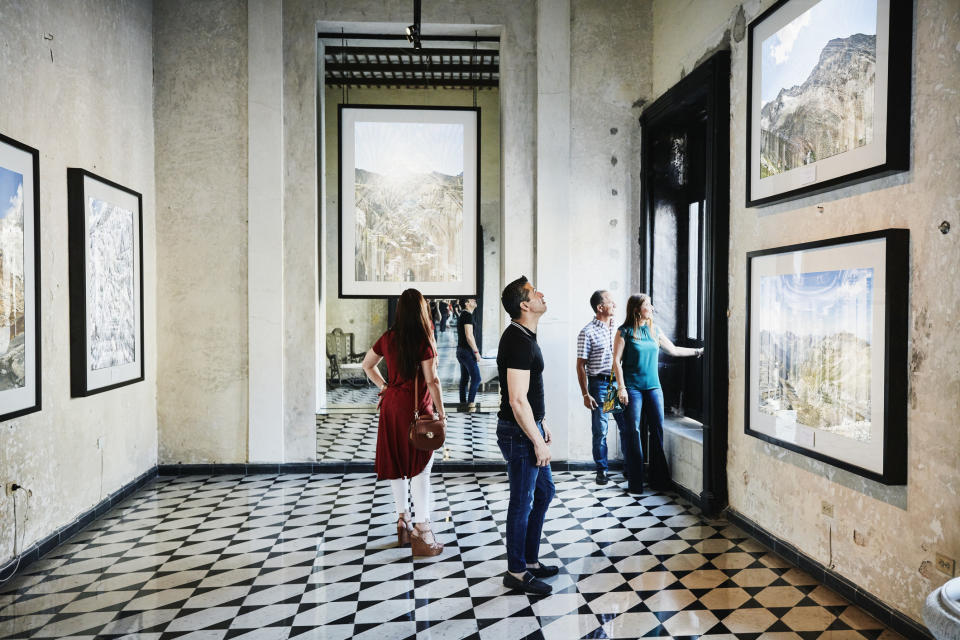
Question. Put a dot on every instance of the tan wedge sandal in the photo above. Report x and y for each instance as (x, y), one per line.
(403, 531)
(420, 546)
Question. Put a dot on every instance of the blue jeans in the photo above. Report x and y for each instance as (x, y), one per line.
(597, 387)
(531, 490)
(649, 402)
(469, 374)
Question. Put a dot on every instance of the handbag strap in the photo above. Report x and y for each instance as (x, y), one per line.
(416, 396)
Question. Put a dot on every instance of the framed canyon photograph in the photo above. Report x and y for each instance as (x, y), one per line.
(409, 200)
(19, 279)
(827, 351)
(828, 96)
(106, 284)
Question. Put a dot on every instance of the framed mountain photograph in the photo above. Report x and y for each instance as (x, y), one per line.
(828, 87)
(106, 284)
(409, 200)
(19, 279)
(827, 351)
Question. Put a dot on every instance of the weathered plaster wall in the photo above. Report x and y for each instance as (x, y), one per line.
(610, 77)
(200, 103)
(77, 86)
(898, 530)
(367, 319)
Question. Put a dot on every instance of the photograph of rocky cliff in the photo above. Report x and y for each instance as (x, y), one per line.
(112, 322)
(12, 317)
(815, 350)
(818, 85)
(408, 207)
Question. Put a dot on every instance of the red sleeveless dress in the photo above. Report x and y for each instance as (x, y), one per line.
(396, 456)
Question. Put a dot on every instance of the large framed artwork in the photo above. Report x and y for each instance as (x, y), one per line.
(828, 96)
(409, 200)
(19, 279)
(827, 351)
(106, 284)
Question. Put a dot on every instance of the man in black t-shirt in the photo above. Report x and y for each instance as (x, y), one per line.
(524, 438)
(444, 314)
(467, 353)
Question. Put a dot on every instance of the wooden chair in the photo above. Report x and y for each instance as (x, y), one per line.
(344, 361)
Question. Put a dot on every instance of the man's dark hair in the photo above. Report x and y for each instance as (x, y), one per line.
(463, 301)
(513, 294)
(597, 299)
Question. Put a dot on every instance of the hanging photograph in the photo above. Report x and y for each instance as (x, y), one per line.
(828, 87)
(826, 351)
(409, 196)
(106, 284)
(19, 279)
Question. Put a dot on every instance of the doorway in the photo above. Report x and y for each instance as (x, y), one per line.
(684, 239)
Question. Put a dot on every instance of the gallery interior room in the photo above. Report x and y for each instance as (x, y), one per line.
(209, 210)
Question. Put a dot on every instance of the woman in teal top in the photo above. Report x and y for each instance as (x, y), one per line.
(636, 354)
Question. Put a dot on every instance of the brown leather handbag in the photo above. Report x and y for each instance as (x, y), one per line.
(427, 432)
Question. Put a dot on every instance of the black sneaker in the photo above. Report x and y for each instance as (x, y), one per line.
(544, 571)
(529, 584)
(602, 477)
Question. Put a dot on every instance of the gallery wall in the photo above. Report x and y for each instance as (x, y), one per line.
(367, 319)
(77, 86)
(881, 538)
(200, 102)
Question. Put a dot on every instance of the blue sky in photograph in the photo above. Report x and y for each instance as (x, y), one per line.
(10, 183)
(401, 148)
(818, 303)
(791, 53)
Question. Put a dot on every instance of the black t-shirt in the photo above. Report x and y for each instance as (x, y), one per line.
(463, 320)
(519, 350)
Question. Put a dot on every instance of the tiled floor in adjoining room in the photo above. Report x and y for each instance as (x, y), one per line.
(304, 556)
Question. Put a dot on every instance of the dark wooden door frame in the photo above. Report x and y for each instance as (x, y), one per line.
(708, 86)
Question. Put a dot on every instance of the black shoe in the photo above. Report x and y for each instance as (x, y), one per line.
(529, 584)
(544, 571)
(602, 477)
(635, 489)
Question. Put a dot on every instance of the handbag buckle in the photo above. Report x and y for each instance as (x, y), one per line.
(429, 434)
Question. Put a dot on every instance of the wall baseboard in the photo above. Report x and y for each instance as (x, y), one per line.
(894, 619)
(440, 466)
(18, 563)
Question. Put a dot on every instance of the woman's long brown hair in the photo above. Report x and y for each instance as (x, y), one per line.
(634, 317)
(412, 328)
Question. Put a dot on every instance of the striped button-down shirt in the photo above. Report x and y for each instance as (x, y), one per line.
(595, 345)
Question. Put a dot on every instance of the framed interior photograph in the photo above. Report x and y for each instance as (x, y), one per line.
(19, 279)
(828, 96)
(827, 351)
(106, 284)
(409, 200)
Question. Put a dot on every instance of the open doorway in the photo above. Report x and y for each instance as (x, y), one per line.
(684, 235)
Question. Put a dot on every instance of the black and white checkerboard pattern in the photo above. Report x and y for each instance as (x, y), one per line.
(299, 556)
(353, 437)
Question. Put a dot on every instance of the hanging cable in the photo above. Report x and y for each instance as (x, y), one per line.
(472, 63)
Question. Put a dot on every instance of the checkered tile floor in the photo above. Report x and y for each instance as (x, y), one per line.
(341, 437)
(297, 556)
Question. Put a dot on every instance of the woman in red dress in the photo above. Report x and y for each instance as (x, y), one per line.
(411, 354)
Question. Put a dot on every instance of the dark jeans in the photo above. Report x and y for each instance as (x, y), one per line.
(469, 374)
(597, 387)
(531, 490)
(443, 321)
(648, 402)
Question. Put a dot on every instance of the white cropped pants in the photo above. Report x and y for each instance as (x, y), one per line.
(419, 486)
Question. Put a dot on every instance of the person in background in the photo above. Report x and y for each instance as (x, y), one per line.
(636, 354)
(435, 316)
(411, 355)
(444, 314)
(468, 355)
(594, 362)
(524, 439)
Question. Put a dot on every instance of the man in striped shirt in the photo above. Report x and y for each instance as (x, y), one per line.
(594, 361)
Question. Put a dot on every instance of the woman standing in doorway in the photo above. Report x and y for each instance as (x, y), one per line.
(636, 355)
(411, 355)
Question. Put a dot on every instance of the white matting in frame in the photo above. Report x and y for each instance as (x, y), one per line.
(409, 187)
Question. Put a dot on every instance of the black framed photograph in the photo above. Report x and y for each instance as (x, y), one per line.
(19, 279)
(828, 96)
(409, 196)
(106, 284)
(827, 351)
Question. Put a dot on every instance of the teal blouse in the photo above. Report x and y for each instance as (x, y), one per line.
(641, 354)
